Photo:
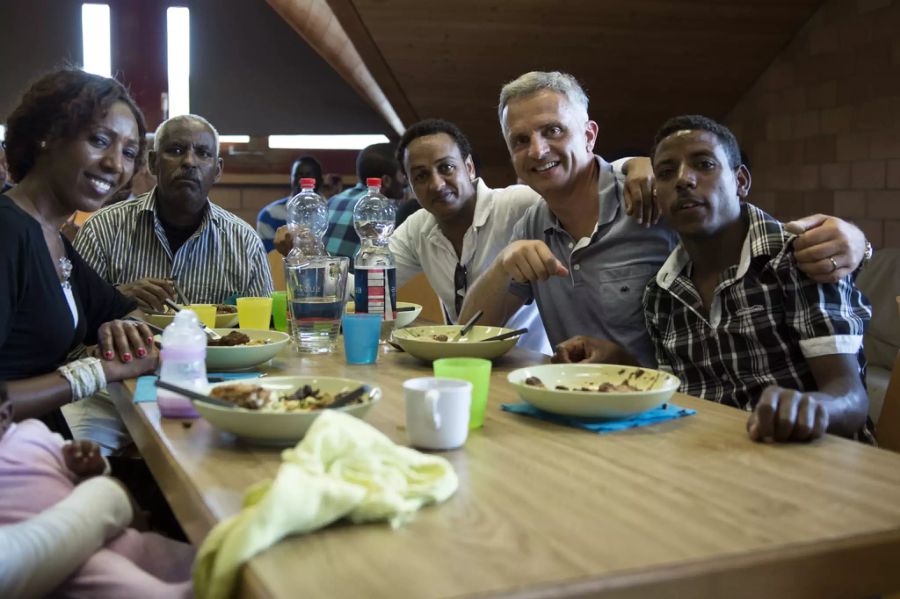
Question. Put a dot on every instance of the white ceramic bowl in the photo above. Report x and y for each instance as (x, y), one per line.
(281, 428)
(420, 342)
(404, 319)
(223, 321)
(656, 387)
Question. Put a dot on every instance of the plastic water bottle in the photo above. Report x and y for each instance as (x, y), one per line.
(307, 218)
(375, 270)
(183, 363)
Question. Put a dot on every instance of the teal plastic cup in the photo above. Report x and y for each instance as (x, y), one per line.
(361, 336)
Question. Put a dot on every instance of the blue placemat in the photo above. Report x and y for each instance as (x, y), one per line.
(598, 425)
(145, 390)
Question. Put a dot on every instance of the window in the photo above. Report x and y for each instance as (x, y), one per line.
(178, 33)
(325, 142)
(95, 39)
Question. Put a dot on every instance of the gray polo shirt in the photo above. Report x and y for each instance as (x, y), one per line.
(602, 296)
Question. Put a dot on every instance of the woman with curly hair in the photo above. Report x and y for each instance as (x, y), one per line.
(71, 143)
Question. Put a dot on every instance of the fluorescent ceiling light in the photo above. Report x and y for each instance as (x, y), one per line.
(234, 139)
(95, 39)
(178, 29)
(324, 142)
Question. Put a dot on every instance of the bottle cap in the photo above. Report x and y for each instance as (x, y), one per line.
(307, 182)
(373, 182)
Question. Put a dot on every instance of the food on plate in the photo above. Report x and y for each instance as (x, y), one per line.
(257, 397)
(235, 338)
(623, 387)
(440, 337)
(229, 340)
(244, 395)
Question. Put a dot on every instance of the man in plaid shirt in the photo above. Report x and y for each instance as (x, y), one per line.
(731, 314)
(374, 161)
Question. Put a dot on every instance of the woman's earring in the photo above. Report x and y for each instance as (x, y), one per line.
(43, 145)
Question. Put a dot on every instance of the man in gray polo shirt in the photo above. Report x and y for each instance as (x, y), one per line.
(577, 253)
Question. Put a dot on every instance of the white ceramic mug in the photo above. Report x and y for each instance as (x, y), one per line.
(437, 412)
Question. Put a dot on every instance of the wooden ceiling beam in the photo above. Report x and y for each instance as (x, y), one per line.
(316, 23)
(346, 13)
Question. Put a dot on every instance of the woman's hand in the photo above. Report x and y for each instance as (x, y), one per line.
(118, 371)
(124, 339)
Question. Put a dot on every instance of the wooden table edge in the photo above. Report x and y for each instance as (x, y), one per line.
(159, 461)
(805, 570)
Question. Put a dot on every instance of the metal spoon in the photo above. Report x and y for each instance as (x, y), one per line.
(191, 394)
(181, 298)
(507, 335)
(346, 399)
(468, 326)
(209, 332)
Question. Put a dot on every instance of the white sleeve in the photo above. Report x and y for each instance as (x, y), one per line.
(40, 553)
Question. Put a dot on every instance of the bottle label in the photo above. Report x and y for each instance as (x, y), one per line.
(376, 291)
(183, 354)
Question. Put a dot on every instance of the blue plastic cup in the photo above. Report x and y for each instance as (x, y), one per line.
(361, 336)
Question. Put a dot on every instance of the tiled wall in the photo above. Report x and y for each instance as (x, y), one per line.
(822, 124)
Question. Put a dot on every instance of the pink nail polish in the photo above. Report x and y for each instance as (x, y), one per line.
(108, 355)
(149, 339)
(141, 352)
(126, 357)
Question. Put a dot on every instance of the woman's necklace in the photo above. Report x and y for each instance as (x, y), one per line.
(65, 271)
(64, 265)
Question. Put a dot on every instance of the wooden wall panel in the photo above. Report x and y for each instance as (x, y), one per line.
(641, 61)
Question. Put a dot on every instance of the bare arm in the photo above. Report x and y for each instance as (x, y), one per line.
(490, 294)
(522, 261)
(639, 195)
(592, 350)
(38, 395)
(838, 407)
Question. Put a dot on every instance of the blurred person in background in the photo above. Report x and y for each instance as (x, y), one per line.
(274, 215)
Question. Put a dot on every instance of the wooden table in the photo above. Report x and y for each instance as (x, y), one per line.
(691, 508)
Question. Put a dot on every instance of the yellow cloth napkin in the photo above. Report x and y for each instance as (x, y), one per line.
(342, 468)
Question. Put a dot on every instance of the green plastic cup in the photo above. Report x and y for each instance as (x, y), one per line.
(475, 370)
(279, 311)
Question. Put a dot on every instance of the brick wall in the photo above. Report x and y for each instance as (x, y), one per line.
(246, 201)
(822, 124)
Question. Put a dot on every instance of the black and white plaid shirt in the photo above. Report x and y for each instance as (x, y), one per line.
(765, 320)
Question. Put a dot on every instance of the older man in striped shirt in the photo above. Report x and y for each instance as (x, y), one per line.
(174, 234)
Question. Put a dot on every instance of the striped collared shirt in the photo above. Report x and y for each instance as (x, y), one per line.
(126, 242)
(765, 320)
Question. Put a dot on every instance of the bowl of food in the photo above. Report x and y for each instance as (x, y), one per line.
(226, 317)
(433, 342)
(279, 410)
(593, 390)
(407, 312)
(243, 348)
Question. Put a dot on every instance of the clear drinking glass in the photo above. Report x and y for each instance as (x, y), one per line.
(317, 291)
